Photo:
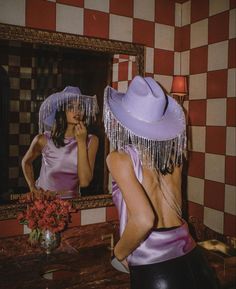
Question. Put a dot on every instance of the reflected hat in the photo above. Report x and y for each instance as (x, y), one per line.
(61, 100)
(152, 120)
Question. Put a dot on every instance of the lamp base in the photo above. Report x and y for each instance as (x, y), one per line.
(179, 98)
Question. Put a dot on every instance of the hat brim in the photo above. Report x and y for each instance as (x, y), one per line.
(170, 126)
(52, 103)
(49, 107)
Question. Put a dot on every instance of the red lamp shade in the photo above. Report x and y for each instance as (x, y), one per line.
(179, 85)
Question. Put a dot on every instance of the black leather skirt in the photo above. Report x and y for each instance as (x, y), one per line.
(190, 271)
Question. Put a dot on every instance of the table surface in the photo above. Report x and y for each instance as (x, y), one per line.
(82, 261)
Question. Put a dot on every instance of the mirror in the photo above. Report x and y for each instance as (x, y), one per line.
(47, 62)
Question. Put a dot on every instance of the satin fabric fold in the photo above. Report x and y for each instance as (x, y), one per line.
(59, 167)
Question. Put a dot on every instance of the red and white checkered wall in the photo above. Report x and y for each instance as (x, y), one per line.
(124, 69)
(207, 45)
(195, 38)
(26, 69)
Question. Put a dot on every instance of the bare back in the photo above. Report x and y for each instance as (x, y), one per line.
(157, 194)
(164, 193)
(149, 200)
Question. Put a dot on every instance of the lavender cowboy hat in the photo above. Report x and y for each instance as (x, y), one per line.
(148, 117)
(62, 100)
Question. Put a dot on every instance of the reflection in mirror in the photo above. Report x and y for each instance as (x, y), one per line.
(34, 72)
(34, 64)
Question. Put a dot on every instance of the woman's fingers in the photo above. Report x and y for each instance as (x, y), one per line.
(81, 131)
(81, 126)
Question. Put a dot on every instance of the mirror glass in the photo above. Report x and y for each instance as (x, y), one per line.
(31, 72)
(40, 64)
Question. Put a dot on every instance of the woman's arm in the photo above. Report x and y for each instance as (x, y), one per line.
(140, 213)
(86, 156)
(33, 152)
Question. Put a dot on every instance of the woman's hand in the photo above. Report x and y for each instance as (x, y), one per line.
(125, 263)
(39, 193)
(121, 266)
(35, 192)
(80, 132)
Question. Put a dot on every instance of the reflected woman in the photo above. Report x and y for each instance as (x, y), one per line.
(68, 152)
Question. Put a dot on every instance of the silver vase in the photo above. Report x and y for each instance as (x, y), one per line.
(49, 241)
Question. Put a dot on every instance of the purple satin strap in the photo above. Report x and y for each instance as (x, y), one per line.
(159, 246)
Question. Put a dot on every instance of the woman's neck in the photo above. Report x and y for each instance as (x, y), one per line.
(70, 131)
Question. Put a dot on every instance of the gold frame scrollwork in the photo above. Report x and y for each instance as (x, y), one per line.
(11, 211)
(30, 35)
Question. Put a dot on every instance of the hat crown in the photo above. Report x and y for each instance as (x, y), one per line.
(148, 118)
(145, 99)
(60, 100)
(72, 89)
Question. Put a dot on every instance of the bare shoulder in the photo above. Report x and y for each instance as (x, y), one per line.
(93, 143)
(117, 159)
(39, 141)
(94, 139)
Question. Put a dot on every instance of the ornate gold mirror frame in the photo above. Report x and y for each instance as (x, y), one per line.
(19, 33)
(29, 35)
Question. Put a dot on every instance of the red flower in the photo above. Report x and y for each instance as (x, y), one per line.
(46, 213)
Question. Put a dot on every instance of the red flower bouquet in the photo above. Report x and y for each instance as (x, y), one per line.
(45, 213)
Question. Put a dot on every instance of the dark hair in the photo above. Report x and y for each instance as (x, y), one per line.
(170, 168)
(58, 132)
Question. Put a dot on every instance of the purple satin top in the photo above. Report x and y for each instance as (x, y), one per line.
(59, 167)
(159, 246)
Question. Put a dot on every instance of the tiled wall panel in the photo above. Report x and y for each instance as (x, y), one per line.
(207, 56)
(84, 217)
(212, 113)
(26, 69)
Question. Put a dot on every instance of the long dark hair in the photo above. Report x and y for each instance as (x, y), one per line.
(58, 131)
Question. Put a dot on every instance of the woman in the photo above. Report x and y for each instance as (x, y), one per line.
(147, 129)
(68, 153)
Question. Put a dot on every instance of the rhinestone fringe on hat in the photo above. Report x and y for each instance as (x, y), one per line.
(153, 153)
(87, 103)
